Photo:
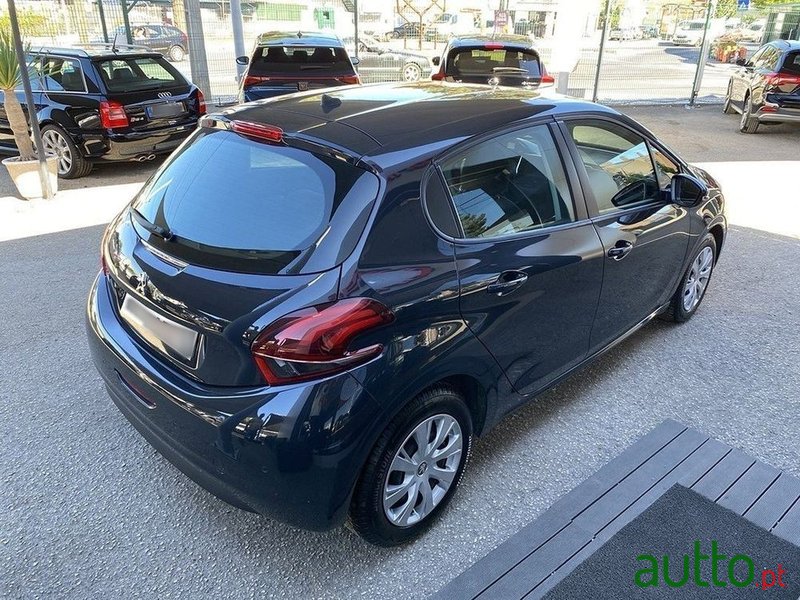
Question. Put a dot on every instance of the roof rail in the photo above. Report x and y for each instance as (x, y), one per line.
(115, 46)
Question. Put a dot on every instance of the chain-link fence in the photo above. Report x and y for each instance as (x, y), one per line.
(655, 59)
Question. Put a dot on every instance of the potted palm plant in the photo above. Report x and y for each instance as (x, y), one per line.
(23, 169)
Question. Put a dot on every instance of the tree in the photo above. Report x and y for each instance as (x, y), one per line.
(9, 82)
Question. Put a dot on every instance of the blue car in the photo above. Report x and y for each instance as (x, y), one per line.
(318, 301)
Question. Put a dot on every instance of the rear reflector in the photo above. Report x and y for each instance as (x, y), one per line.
(314, 342)
(258, 131)
(112, 114)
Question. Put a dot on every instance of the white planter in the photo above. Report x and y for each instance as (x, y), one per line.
(25, 175)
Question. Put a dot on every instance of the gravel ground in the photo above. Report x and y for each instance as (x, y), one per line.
(90, 510)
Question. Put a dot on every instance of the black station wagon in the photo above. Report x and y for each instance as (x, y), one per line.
(318, 301)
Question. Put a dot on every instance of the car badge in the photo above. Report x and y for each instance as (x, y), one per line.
(495, 81)
(302, 86)
(165, 94)
(142, 283)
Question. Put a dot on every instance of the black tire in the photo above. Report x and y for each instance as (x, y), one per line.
(677, 312)
(748, 123)
(727, 107)
(367, 515)
(79, 166)
(176, 53)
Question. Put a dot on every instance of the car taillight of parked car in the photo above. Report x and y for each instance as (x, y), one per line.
(113, 115)
(786, 82)
(349, 79)
(313, 342)
(201, 103)
(254, 80)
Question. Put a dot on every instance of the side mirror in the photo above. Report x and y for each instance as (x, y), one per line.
(741, 62)
(355, 61)
(242, 60)
(686, 190)
(436, 61)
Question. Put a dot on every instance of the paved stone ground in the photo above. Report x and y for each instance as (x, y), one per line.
(90, 510)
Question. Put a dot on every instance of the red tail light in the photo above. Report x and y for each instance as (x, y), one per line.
(113, 115)
(254, 80)
(782, 79)
(438, 76)
(259, 131)
(493, 46)
(201, 103)
(349, 79)
(546, 77)
(314, 342)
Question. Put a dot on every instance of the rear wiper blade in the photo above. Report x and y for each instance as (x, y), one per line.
(161, 232)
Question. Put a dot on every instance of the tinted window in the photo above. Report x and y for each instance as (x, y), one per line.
(792, 63)
(308, 60)
(467, 62)
(224, 195)
(617, 163)
(509, 184)
(137, 73)
(63, 75)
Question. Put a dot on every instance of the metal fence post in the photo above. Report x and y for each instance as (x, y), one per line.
(701, 63)
(606, 19)
(238, 34)
(198, 63)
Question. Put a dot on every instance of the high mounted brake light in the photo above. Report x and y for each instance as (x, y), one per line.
(258, 131)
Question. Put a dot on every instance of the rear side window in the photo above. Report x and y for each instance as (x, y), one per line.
(325, 60)
(137, 74)
(511, 184)
(240, 204)
(791, 64)
(466, 62)
(63, 75)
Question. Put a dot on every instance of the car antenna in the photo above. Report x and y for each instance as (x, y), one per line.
(114, 43)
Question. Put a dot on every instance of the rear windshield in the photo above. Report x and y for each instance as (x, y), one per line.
(133, 74)
(239, 204)
(791, 63)
(309, 60)
(468, 62)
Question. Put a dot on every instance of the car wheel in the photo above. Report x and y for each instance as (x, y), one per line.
(71, 164)
(727, 107)
(694, 283)
(412, 72)
(176, 53)
(414, 469)
(748, 123)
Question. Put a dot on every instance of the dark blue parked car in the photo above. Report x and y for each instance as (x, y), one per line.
(318, 301)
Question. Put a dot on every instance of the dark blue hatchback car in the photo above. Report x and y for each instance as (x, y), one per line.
(318, 301)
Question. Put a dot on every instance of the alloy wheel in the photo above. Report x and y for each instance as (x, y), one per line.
(412, 72)
(56, 144)
(422, 470)
(696, 283)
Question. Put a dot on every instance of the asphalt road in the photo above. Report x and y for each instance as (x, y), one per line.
(88, 509)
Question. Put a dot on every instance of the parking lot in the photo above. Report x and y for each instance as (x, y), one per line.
(90, 509)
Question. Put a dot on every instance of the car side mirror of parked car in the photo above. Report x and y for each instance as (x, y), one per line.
(242, 60)
(355, 61)
(686, 190)
(436, 61)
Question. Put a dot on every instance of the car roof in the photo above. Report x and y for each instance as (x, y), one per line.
(306, 38)
(786, 44)
(500, 38)
(96, 51)
(379, 122)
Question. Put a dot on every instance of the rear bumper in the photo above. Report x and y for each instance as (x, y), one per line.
(779, 115)
(291, 453)
(124, 146)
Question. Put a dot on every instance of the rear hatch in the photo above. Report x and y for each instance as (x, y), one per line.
(495, 63)
(278, 70)
(783, 87)
(153, 93)
(230, 234)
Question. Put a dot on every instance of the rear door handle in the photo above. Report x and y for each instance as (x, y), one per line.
(507, 282)
(620, 250)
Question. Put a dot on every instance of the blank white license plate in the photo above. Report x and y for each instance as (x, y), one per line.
(162, 333)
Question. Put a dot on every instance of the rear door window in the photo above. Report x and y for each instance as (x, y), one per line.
(63, 75)
(308, 60)
(133, 74)
(241, 204)
(510, 184)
